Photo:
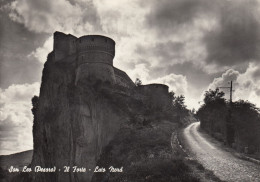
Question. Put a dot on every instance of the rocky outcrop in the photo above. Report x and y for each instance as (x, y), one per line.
(72, 123)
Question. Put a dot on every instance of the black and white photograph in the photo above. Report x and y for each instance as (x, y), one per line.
(129, 91)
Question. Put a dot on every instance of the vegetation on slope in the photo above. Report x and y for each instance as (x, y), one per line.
(149, 151)
(146, 154)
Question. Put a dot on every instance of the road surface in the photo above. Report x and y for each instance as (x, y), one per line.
(225, 166)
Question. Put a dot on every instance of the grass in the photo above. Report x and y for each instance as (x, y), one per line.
(146, 154)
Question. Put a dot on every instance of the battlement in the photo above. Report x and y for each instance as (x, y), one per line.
(90, 43)
(93, 56)
(155, 88)
(67, 44)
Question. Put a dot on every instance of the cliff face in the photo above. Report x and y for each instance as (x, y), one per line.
(72, 123)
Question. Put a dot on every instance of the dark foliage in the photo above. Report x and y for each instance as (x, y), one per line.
(179, 108)
(236, 123)
(35, 103)
(138, 82)
(145, 155)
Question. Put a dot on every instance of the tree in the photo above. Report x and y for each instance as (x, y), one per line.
(172, 96)
(236, 123)
(35, 103)
(179, 102)
(246, 119)
(138, 82)
(179, 107)
(193, 111)
(213, 95)
(213, 113)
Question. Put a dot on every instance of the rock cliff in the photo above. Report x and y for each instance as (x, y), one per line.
(77, 114)
(72, 123)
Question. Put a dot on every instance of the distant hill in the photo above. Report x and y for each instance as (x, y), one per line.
(17, 160)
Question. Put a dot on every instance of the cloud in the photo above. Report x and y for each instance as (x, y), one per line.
(246, 85)
(195, 38)
(249, 84)
(41, 52)
(167, 16)
(179, 28)
(121, 18)
(229, 75)
(216, 34)
(162, 53)
(18, 68)
(236, 39)
(49, 16)
(16, 43)
(16, 118)
(176, 83)
(140, 71)
(76, 17)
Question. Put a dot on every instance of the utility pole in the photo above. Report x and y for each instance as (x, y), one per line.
(230, 129)
(231, 87)
(230, 90)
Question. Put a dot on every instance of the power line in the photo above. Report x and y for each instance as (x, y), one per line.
(231, 90)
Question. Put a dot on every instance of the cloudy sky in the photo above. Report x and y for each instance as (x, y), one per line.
(191, 45)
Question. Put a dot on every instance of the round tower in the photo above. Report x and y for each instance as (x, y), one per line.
(95, 58)
(156, 94)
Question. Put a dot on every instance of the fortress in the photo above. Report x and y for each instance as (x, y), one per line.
(84, 101)
(93, 57)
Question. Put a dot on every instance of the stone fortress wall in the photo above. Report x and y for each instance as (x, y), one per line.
(63, 45)
(95, 58)
(93, 55)
(157, 95)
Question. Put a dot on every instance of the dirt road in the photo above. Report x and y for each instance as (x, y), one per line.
(213, 157)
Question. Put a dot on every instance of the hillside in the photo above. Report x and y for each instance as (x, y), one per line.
(17, 160)
(147, 152)
(150, 153)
